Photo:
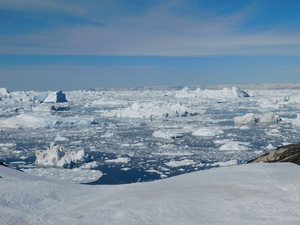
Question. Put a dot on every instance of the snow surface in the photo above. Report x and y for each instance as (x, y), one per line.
(247, 194)
(77, 175)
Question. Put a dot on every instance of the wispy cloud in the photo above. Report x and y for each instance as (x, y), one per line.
(160, 30)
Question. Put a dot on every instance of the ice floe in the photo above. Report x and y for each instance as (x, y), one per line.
(179, 163)
(208, 132)
(167, 134)
(118, 160)
(38, 120)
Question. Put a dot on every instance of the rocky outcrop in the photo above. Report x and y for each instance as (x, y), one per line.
(288, 153)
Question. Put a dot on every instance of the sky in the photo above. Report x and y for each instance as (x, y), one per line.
(76, 44)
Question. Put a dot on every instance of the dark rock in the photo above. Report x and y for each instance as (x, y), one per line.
(288, 153)
(2, 164)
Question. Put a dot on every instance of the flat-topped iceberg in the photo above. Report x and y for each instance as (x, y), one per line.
(39, 120)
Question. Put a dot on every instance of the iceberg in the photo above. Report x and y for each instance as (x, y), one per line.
(151, 110)
(57, 156)
(251, 119)
(208, 132)
(35, 120)
(4, 92)
(56, 97)
(234, 92)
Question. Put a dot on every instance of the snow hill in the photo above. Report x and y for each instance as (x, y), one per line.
(247, 194)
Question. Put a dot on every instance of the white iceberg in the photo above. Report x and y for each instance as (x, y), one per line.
(296, 122)
(233, 146)
(57, 156)
(118, 160)
(29, 121)
(234, 92)
(251, 119)
(208, 132)
(4, 93)
(38, 120)
(56, 97)
(180, 163)
(151, 110)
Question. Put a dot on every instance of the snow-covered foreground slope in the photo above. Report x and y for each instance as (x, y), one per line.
(246, 194)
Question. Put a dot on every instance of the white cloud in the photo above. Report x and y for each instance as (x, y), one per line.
(159, 31)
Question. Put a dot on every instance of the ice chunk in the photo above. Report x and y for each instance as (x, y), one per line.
(57, 156)
(167, 134)
(4, 93)
(179, 163)
(208, 132)
(251, 119)
(60, 138)
(40, 98)
(227, 163)
(233, 146)
(118, 160)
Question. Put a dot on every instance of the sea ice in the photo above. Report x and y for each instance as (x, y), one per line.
(118, 160)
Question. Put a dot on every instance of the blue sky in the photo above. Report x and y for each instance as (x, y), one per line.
(76, 44)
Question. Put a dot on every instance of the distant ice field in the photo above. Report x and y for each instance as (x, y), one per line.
(142, 135)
